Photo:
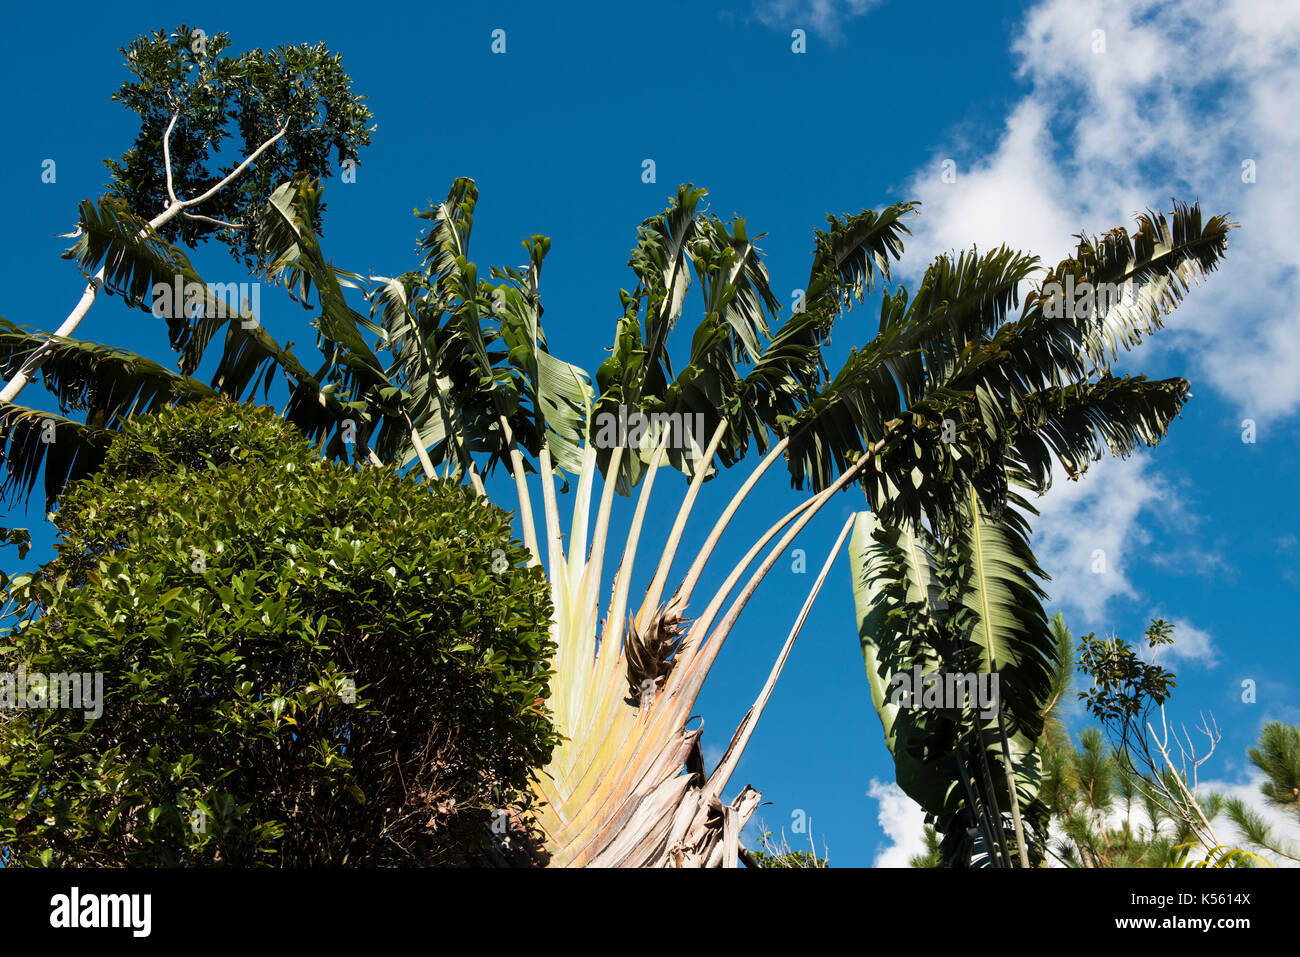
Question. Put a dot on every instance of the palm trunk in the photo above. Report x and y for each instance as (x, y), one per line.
(521, 491)
(655, 592)
(1011, 790)
(702, 559)
(722, 773)
(979, 812)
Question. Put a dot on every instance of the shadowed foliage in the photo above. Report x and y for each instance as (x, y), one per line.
(273, 666)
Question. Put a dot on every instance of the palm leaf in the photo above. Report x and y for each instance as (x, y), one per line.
(1154, 267)
(134, 257)
(111, 384)
(1079, 423)
(848, 257)
(967, 606)
(31, 439)
(558, 392)
(288, 241)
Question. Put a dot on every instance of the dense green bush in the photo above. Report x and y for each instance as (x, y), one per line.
(233, 587)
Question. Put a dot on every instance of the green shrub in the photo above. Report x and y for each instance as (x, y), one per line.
(233, 588)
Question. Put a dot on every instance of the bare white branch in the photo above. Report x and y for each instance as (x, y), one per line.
(169, 213)
(22, 378)
(216, 222)
(167, 157)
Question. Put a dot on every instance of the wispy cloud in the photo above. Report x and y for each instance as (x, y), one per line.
(825, 18)
(712, 755)
(1129, 103)
(1191, 644)
(1126, 104)
(1093, 532)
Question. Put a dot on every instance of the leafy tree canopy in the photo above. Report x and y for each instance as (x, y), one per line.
(212, 97)
(278, 685)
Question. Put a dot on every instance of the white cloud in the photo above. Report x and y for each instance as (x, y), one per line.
(1090, 535)
(1191, 644)
(903, 822)
(1181, 97)
(823, 17)
(1282, 823)
(1171, 100)
(990, 202)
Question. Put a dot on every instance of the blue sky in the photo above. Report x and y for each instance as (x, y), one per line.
(1053, 127)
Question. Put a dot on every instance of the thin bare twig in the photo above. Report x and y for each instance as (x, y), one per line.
(199, 217)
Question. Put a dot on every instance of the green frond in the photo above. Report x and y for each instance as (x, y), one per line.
(31, 439)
